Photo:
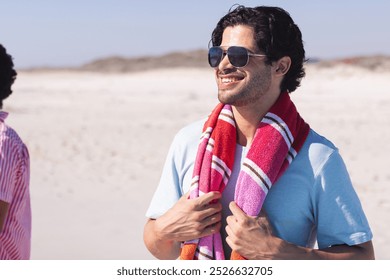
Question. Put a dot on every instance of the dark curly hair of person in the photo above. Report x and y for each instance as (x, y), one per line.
(276, 35)
(7, 74)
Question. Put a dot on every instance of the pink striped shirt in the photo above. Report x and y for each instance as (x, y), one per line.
(15, 239)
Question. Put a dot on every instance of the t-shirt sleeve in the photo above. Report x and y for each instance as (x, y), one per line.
(176, 175)
(168, 189)
(340, 217)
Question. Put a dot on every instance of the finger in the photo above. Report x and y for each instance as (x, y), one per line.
(237, 212)
(229, 231)
(213, 219)
(230, 242)
(214, 228)
(187, 195)
(231, 220)
(233, 226)
(210, 210)
(208, 197)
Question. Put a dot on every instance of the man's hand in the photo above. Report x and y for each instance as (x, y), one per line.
(251, 237)
(191, 218)
(188, 219)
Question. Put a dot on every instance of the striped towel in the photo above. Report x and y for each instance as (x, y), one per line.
(278, 139)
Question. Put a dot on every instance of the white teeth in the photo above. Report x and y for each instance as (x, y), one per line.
(229, 80)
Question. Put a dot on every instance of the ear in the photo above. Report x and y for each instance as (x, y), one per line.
(282, 65)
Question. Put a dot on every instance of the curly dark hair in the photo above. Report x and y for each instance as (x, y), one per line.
(7, 74)
(276, 35)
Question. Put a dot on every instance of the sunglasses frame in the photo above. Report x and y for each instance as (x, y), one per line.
(226, 52)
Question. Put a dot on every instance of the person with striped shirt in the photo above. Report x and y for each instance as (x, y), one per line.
(15, 209)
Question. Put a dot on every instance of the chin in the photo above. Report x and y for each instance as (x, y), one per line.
(229, 97)
(225, 100)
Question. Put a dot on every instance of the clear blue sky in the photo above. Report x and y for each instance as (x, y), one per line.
(73, 32)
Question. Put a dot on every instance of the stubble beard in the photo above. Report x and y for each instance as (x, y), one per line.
(251, 93)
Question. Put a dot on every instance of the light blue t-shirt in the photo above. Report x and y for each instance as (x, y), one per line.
(312, 202)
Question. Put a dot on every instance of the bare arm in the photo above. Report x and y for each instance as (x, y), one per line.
(4, 206)
(252, 238)
(161, 248)
(188, 219)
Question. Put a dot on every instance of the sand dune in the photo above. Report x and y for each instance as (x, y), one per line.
(98, 142)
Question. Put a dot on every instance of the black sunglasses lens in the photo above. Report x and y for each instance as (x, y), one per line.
(215, 56)
(238, 56)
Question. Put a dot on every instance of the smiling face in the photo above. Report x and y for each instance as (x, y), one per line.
(246, 85)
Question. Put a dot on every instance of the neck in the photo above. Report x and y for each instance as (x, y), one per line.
(247, 119)
(246, 123)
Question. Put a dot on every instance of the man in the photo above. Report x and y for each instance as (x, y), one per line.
(15, 212)
(260, 177)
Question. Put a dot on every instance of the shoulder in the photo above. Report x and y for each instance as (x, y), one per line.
(7, 133)
(318, 144)
(183, 150)
(188, 137)
(11, 143)
(319, 151)
(190, 131)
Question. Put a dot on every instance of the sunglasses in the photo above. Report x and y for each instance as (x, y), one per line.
(238, 56)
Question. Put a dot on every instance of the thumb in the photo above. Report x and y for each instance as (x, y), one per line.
(236, 211)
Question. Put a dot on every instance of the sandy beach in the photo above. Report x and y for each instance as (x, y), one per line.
(98, 142)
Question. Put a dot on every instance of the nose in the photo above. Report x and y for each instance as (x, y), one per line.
(225, 63)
